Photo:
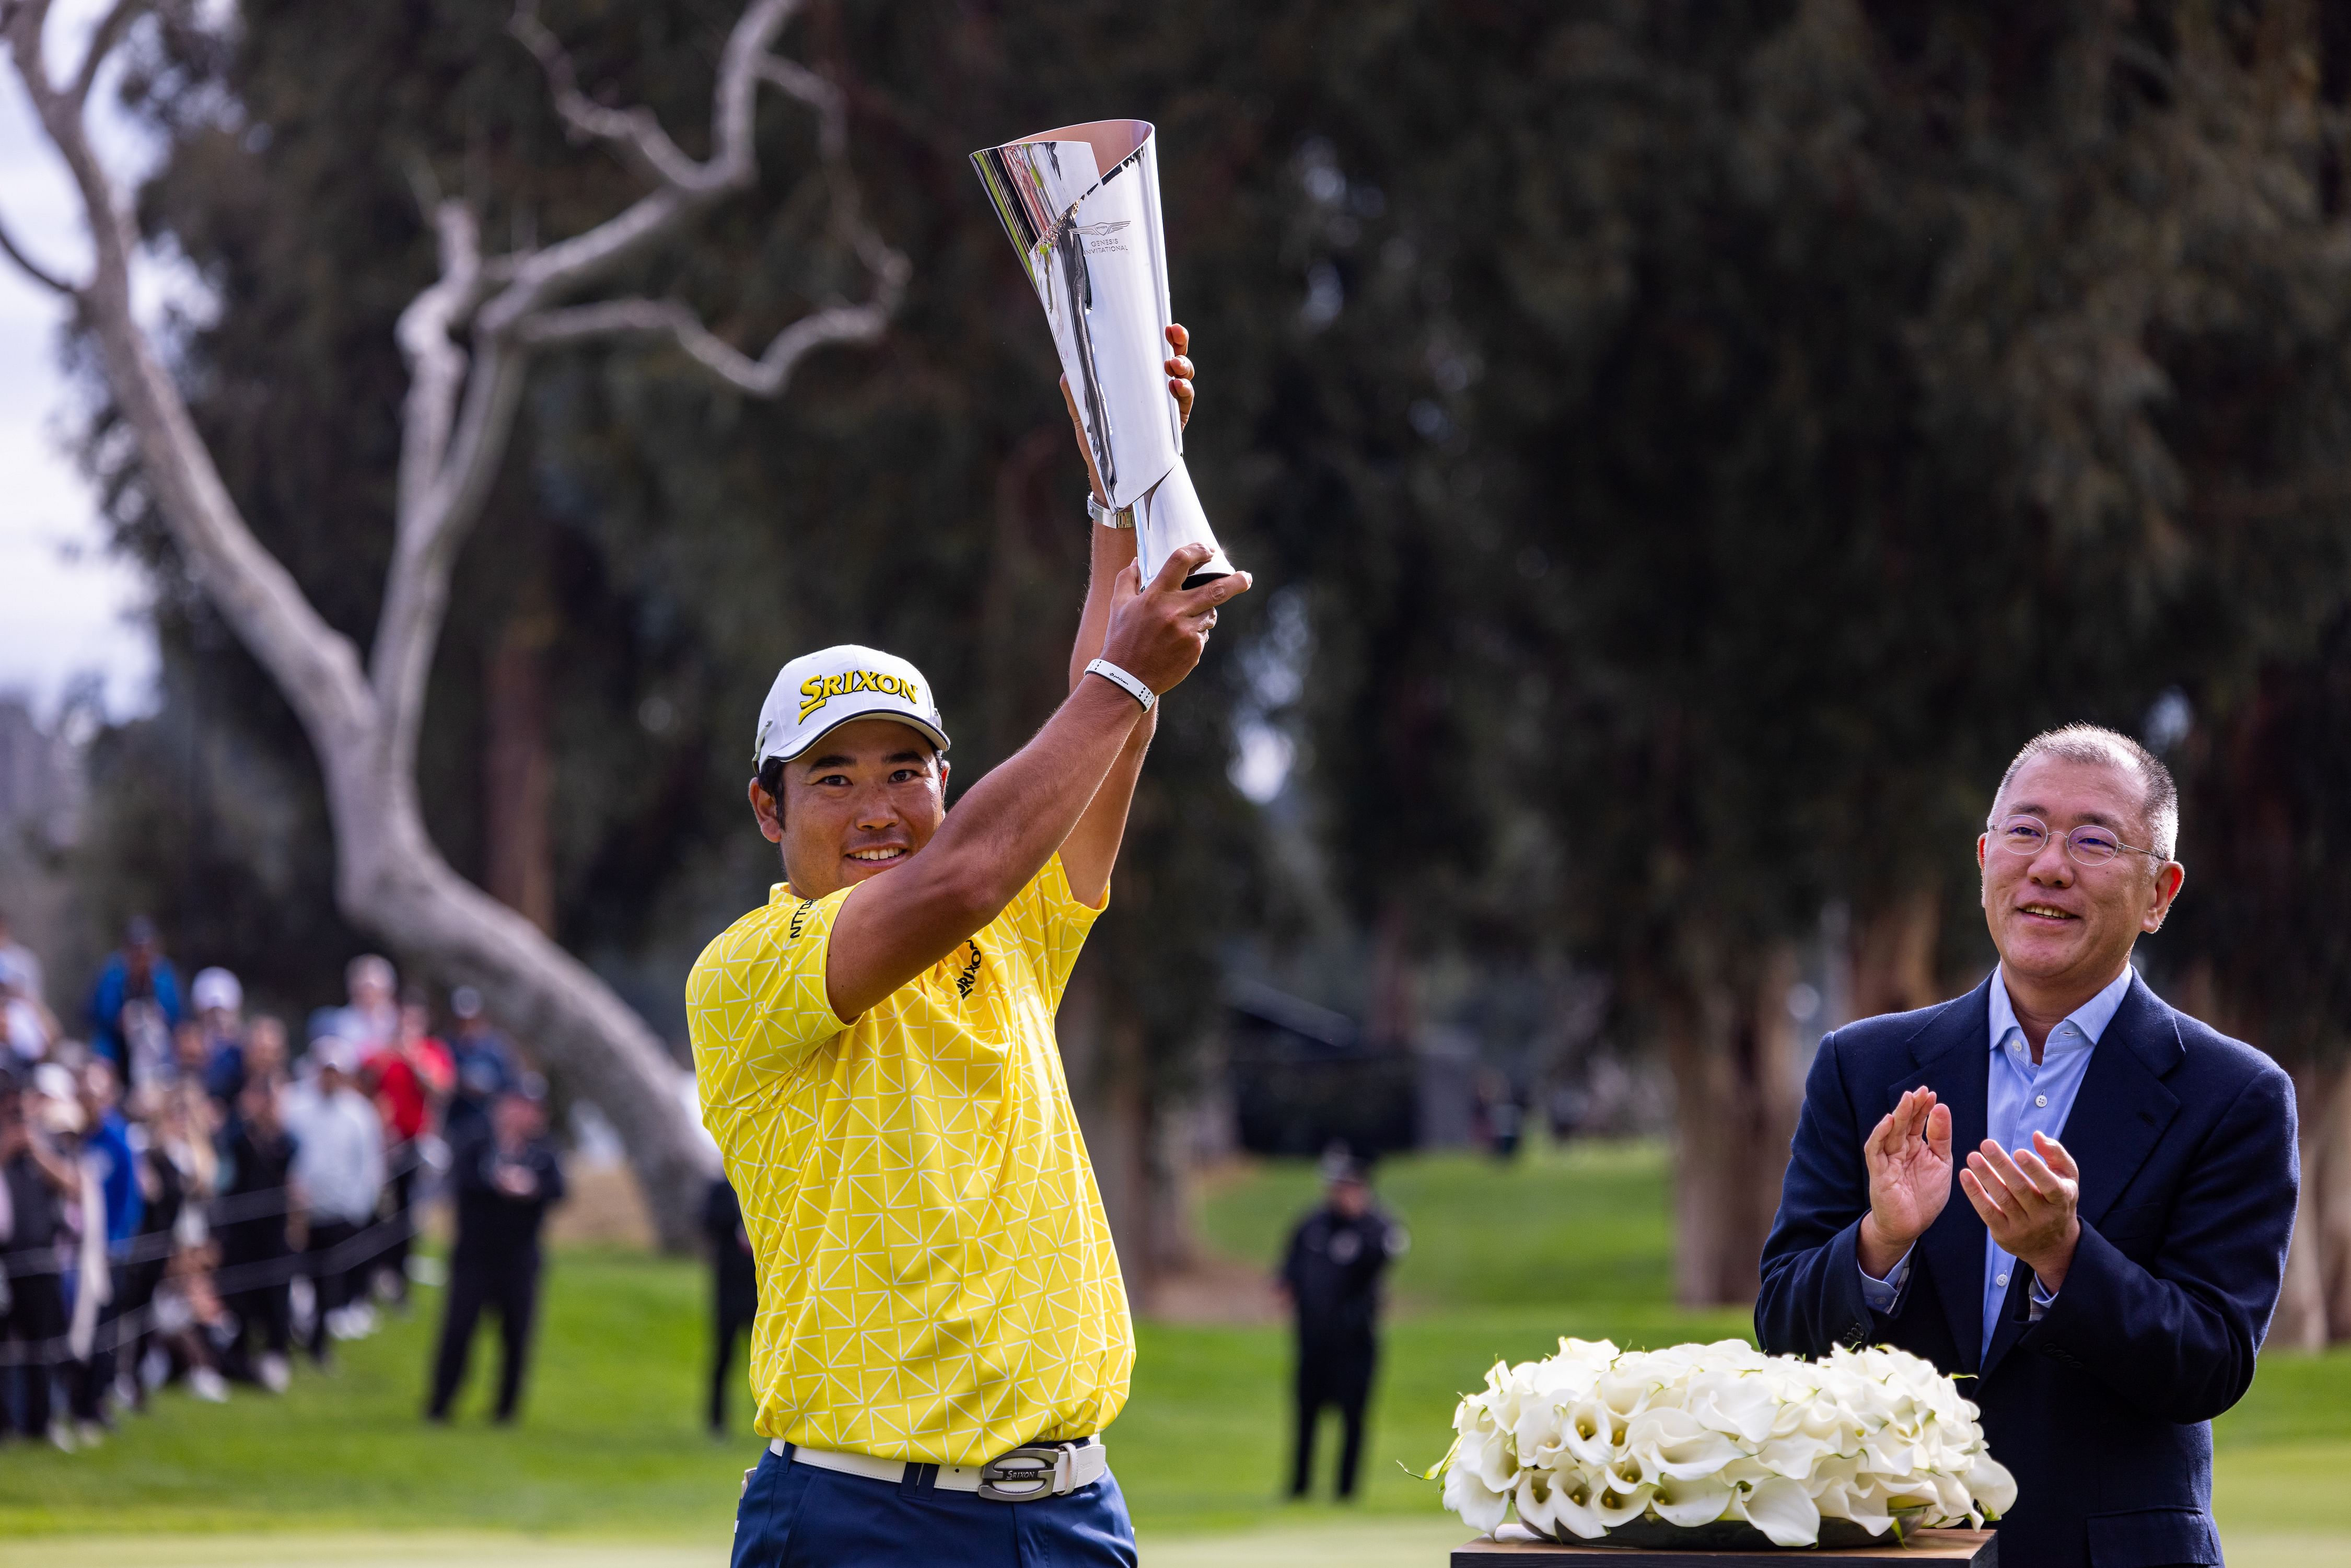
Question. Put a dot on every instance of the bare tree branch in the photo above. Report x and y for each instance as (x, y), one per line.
(437, 365)
(108, 34)
(33, 269)
(465, 440)
(467, 339)
(766, 376)
(634, 132)
(24, 20)
(638, 135)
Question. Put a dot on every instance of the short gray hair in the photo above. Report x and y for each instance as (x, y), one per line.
(2103, 747)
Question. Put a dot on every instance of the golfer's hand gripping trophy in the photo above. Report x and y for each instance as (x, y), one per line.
(1081, 204)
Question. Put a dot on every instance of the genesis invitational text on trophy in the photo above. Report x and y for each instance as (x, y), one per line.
(1081, 204)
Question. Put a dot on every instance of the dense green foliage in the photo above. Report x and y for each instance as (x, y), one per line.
(1690, 446)
(1685, 449)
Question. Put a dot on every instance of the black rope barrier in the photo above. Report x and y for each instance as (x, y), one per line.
(227, 1211)
(261, 1273)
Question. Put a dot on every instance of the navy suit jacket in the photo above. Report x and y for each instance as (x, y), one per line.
(2102, 1410)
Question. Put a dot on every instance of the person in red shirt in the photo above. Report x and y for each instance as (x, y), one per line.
(409, 1079)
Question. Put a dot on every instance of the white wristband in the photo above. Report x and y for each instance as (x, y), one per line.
(1121, 518)
(1123, 682)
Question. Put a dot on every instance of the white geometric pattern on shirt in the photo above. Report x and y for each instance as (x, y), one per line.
(936, 1276)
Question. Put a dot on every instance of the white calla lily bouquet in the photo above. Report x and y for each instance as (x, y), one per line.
(1595, 1441)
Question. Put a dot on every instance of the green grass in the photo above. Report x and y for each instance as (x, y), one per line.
(608, 1442)
(1503, 1261)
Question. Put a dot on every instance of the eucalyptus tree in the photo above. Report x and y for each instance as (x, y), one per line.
(467, 337)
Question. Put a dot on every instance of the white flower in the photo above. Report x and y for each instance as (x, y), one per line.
(1481, 1507)
(1780, 1509)
(1592, 1437)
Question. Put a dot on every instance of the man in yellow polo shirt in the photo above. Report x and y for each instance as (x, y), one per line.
(942, 1332)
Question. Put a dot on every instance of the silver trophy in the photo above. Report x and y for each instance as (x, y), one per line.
(1081, 204)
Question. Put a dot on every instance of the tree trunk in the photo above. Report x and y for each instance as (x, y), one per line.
(1731, 1050)
(519, 767)
(2300, 1320)
(1101, 1059)
(1893, 954)
(1394, 1024)
(2326, 1170)
(390, 879)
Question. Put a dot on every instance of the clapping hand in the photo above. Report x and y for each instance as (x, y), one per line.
(1909, 1159)
(2028, 1204)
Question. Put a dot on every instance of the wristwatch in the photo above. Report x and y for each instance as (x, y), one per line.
(1104, 517)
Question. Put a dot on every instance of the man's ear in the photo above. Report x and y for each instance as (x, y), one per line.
(2169, 878)
(769, 811)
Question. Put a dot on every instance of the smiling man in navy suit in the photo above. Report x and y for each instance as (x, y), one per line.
(2125, 1198)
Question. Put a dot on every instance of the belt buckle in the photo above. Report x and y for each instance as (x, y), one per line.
(1035, 1472)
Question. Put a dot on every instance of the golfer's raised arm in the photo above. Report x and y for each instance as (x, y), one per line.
(900, 922)
(1090, 851)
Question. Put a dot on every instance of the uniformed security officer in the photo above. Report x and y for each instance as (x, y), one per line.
(1331, 1276)
(506, 1177)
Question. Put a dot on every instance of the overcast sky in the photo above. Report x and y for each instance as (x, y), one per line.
(66, 606)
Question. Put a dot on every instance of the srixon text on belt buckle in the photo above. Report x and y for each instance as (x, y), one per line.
(1040, 1471)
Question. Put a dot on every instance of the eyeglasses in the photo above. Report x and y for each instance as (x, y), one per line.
(2087, 844)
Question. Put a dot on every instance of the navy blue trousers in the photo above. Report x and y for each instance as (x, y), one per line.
(797, 1516)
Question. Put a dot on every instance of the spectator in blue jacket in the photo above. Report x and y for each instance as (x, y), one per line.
(110, 1152)
(136, 1005)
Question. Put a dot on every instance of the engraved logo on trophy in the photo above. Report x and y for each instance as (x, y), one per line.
(1081, 207)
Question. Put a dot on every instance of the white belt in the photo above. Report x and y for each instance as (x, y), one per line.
(1041, 1469)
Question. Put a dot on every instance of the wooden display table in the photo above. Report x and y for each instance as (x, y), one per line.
(1974, 1547)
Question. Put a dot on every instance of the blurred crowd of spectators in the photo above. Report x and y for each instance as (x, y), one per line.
(185, 1200)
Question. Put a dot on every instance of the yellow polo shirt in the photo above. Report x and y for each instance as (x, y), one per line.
(936, 1280)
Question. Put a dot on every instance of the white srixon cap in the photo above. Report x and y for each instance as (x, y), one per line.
(817, 693)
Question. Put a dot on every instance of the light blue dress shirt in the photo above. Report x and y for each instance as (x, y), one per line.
(2022, 1098)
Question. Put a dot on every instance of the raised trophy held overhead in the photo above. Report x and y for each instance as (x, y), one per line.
(1081, 204)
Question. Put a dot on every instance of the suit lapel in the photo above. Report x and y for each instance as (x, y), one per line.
(1952, 1055)
(2123, 1109)
(2117, 1118)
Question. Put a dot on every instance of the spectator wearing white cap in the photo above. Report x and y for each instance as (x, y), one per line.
(371, 1018)
(219, 999)
(339, 1173)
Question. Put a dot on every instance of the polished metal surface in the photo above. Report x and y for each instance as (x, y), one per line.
(1082, 206)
